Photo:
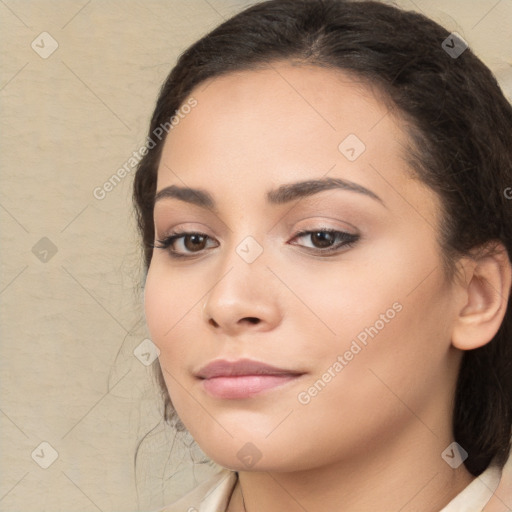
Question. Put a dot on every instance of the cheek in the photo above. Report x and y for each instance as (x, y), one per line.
(172, 309)
(391, 317)
(362, 381)
(166, 307)
(169, 297)
(400, 349)
(156, 305)
(163, 309)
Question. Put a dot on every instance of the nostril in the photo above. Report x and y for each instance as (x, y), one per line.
(252, 320)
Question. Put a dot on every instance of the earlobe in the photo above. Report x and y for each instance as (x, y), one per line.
(485, 296)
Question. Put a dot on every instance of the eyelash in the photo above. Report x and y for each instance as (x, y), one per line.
(347, 240)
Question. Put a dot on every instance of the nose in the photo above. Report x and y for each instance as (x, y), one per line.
(244, 297)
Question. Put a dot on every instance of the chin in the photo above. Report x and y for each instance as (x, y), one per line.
(256, 456)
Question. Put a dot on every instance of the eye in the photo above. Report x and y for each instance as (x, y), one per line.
(327, 240)
(190, 241)
(324, 241)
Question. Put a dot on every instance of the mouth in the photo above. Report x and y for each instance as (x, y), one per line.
(243, 378)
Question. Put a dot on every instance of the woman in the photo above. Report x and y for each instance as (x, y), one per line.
(327, 234)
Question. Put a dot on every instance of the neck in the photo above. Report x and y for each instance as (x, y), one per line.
(406, 474)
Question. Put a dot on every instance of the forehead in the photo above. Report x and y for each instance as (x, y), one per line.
(285, 123)
(289, 101)
(283, 105)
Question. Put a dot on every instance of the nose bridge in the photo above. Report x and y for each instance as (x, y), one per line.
(245, 247)
(242, 269)
(243, 287)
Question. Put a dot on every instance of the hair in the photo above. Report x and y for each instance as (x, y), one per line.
(459, 125)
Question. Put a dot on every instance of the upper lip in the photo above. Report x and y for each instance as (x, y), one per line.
(224, 368)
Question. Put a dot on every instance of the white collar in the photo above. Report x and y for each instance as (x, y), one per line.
(478, 493)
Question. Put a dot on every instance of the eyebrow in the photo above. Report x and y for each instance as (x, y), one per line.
(282, 195)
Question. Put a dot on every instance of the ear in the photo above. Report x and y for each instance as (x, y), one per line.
(484, 296)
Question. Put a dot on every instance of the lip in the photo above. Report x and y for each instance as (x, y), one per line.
(242, 378)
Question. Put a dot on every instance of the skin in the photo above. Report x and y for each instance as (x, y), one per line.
(372, 438)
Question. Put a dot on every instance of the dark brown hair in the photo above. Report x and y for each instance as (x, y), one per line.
(460, 127)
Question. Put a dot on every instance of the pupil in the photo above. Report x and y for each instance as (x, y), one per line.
(325, 238)
(193, 239)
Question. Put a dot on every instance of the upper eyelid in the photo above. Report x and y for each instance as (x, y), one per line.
(319, 220)
(310, 203)
(182, 233)
(174, 236)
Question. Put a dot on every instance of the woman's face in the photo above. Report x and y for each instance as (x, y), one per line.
(359, 321)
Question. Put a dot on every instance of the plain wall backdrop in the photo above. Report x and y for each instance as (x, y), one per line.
(78, 84)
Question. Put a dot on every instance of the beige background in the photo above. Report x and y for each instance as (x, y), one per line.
(71, 319)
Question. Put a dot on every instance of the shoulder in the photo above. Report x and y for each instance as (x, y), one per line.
(210, 496)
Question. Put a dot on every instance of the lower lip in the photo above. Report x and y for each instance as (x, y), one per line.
(244, 386)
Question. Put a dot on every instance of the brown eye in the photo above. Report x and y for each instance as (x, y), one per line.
(194, 242)
(327, 241)
(322, 239)
(188, 243)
